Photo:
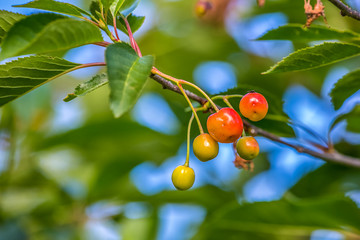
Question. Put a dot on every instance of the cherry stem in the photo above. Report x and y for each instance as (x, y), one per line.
(115, 27)
(225, 99)
(91, 21)
(227, 96)
(244, 133)
(133, 43)
(202, 92)
(188, 141)
(175, 80)
(192, 107)
(102, 44)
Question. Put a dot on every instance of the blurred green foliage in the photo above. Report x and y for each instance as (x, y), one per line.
(53, 176)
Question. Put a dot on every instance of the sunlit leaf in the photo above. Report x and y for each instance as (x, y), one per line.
(312, 184)
(344, 88)
(106, 4)
(7, 20)
(297, 32)
(283, 219)
(115, 6)
(25, 74)
(42, 33)
(88, 86)
(135, 23)
(127, 74)
(316, 56)
(128, 7)
(55, 6)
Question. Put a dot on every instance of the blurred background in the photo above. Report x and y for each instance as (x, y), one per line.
(72, 171)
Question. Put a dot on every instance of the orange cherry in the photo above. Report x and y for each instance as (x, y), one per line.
(253, 106)
(225, 126)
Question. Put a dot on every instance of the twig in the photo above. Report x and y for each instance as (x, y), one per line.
(346, 10)
(331, 156)
(168, 85)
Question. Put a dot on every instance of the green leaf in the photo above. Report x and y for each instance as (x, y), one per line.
(25, 74)
(7, 20)
(284, 219)
(344, 88)
(135, 23)
(88, 86)
(276, 124)
(106, 4)
(127, 74)
(312, 185)
(316, 56)
(115, 6)
(352, 118)
(110, 134)
(128, 7)
(43, 33)
(54, 6)
(297, 32)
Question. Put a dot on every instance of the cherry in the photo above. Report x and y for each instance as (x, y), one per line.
(205, 147)
(247, 148)
(253, 106)
(183, 177)
(225, 126)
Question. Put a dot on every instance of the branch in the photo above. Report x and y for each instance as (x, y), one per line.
(331, 156)
(346, 10)
(168, 85)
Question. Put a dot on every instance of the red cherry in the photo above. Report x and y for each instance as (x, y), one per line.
(253, 106)
(225, 126)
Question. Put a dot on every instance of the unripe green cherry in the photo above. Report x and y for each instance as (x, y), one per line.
(183, 177)
(205, 147)
(247, 148)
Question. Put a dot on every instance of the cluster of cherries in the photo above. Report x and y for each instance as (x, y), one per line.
(224, 126)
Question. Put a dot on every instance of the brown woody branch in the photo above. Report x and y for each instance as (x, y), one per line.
(346, 10)
(330, 156)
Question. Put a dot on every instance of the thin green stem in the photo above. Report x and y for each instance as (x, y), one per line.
(234, 96)
(188, 141)
(203, 108)
(243, 133)
(202, 92)
(192, 108)
(226, 101)
(226, 96)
